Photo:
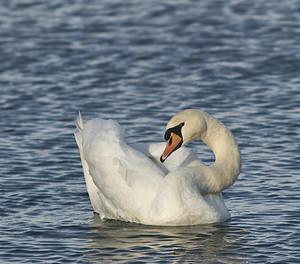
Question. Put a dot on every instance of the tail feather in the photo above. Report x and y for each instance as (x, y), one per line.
(79, 121)
(77, 134)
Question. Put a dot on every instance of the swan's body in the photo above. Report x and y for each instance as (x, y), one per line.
(128, 184)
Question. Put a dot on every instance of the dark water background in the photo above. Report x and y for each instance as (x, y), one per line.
(139, 62)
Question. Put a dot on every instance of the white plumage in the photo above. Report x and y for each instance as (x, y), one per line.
(130, 184)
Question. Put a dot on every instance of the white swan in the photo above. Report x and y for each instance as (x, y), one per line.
(130, 184)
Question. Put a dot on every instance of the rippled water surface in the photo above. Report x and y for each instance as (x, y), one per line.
(139, 62)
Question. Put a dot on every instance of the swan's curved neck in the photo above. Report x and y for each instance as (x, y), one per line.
(226, 168)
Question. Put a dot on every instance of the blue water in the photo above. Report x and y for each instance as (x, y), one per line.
(140, 62)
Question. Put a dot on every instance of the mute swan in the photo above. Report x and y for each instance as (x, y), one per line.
(138, 184)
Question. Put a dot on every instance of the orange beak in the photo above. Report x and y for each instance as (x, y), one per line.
(173, 144)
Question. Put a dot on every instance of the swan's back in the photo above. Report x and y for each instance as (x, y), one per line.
(116, 174)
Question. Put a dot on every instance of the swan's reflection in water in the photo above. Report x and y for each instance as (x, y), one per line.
(117, 241)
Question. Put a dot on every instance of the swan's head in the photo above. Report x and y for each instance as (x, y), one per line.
(183, 128)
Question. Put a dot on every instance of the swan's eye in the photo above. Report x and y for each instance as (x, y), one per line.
(167, 134)
(176, 130)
